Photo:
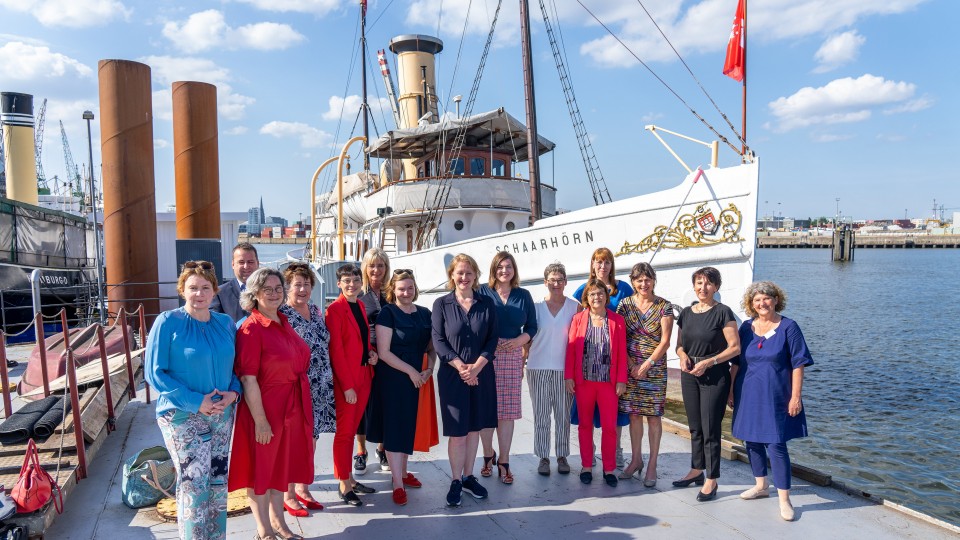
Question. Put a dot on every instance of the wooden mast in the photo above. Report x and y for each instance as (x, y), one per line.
(533, 147)
(363, 79)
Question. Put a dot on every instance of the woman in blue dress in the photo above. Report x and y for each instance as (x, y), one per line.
(768, 409)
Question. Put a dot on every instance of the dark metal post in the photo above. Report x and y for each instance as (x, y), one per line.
(143, 344)
(107, 386)
(42, 349)
(88, 116)
(4, 378)
(122, 316)
(533, 146)
(77, 425)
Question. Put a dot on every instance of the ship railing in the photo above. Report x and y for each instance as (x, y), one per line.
(70, 385)
(16, 314)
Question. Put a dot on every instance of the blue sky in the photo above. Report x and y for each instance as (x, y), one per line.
(849, 99)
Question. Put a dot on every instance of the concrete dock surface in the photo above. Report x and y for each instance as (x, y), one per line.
(535, 506)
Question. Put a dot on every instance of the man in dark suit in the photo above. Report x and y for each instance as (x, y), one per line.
(227, 299)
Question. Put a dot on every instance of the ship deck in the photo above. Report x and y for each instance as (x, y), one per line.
(535, 506)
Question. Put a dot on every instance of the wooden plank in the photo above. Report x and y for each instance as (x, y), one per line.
(46, 465)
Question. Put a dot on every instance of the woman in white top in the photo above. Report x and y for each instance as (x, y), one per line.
(545, 363)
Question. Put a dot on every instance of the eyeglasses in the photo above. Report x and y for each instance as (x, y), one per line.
(273, 290)
(203, 265)
(555, 281)
(597, 294)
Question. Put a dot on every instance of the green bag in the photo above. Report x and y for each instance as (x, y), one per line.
(148, 476)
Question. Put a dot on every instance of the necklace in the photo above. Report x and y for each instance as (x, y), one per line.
(702, 308)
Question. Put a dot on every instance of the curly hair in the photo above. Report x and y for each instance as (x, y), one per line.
(256, 282)
(555, 268)
(299, 269)
(767, 288)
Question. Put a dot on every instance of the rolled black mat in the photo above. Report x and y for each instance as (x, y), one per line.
(51, 419)
(19, 427)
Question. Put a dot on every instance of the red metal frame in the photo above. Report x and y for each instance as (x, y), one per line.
(42, 346)
(143, 343)
(77, 425)
(111, 418)
(4, 378)
(122, 315)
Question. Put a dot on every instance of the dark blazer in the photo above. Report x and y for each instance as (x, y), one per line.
(618, 347)
(346, 346)
(227, 300)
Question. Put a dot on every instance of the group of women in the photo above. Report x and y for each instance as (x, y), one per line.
(370, 359)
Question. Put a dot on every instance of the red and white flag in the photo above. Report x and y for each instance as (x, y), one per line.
(734, 65)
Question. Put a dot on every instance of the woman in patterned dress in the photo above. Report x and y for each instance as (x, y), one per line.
(649, 321)
(306, 318)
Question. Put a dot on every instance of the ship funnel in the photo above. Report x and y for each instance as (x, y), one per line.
(417, 79)
(20, 162)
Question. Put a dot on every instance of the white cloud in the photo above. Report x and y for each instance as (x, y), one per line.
(168, 69)
(839, 101)
(24, 62)
(831, 137)
(350, 106)
(316, 7)
(208, 29)
(160, 143)
(427, 14)
(913, 105)
(71, 13)
(704, 26)
(309, 136)
(837, 50)
(236, 130)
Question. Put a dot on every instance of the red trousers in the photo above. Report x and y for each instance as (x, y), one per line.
(604, 396)
(348, 420)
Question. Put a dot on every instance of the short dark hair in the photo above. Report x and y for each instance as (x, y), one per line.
(594, 283)
(642, 269)
(709, 273)
(245, 246)
(348, 270)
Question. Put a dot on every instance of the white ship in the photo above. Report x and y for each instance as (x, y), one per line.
(422, 217)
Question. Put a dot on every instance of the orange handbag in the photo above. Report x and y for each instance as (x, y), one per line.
(34, 487)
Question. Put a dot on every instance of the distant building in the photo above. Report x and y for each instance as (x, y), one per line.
(257, 220)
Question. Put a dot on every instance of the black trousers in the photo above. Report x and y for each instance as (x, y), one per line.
(705, 400)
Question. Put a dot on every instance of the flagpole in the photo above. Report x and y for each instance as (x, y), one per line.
(743, 128)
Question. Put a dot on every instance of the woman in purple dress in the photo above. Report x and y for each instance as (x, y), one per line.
(768, 379)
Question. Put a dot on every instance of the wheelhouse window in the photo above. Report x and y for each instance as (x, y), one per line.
(457, 167)
(498, 168)
(477, 166)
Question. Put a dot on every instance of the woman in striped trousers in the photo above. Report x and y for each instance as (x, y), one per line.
(545, 363)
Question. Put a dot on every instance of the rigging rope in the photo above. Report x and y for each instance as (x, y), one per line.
(327, 184)
(663, 82)
(431, 220)
(690, 71)
(456, 65)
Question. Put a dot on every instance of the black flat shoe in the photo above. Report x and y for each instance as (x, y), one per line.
(586, 477)
(351, 499)
(610, 479)
(698, 480)
(364, 490)
(704, 497)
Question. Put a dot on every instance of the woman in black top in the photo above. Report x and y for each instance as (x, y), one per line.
(706, 339)
(375, 271)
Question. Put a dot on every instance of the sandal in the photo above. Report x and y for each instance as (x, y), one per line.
(488, 462)
(503, 471)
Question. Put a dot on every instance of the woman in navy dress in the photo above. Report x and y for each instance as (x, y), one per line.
(768, 409)
(465, 338)
(403, 337)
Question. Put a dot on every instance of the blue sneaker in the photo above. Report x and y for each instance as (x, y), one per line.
(473, 487)
(453, 496)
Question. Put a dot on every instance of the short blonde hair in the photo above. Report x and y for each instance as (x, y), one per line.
(499, 258)
(256, 281)
(203, 269)
(390, 291)
(372, 255)
(462, 258)
(767, 288)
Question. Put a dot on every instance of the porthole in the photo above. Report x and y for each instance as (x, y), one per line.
(511, 226)
(458, 225)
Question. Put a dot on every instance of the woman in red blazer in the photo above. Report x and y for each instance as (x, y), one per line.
(352, 359)
(596, 374)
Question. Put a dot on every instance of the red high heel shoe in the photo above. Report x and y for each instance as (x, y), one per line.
(311, 505)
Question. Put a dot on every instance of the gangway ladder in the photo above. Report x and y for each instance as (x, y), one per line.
(388, 82)
(597, 184)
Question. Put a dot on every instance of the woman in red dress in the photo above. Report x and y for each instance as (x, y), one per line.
(274, 428)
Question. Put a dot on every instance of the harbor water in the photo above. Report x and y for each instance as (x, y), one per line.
(883, 399)
(884, 395)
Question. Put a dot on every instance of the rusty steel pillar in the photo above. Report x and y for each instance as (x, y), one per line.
(129, 201)
(196, 160)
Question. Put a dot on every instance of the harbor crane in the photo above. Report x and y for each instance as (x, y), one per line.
(74, 181)
(388, 82)
(38, 146)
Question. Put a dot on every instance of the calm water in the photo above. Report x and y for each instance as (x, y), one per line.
(883, 398)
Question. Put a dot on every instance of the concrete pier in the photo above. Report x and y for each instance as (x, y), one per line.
(866, 241)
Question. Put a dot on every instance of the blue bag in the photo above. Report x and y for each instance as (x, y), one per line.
(148, 476)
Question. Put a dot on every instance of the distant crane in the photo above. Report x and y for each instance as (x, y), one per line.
(74, 180)
(38, 145)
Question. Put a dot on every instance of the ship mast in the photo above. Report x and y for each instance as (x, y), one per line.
(363, 79)
(533, 147)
